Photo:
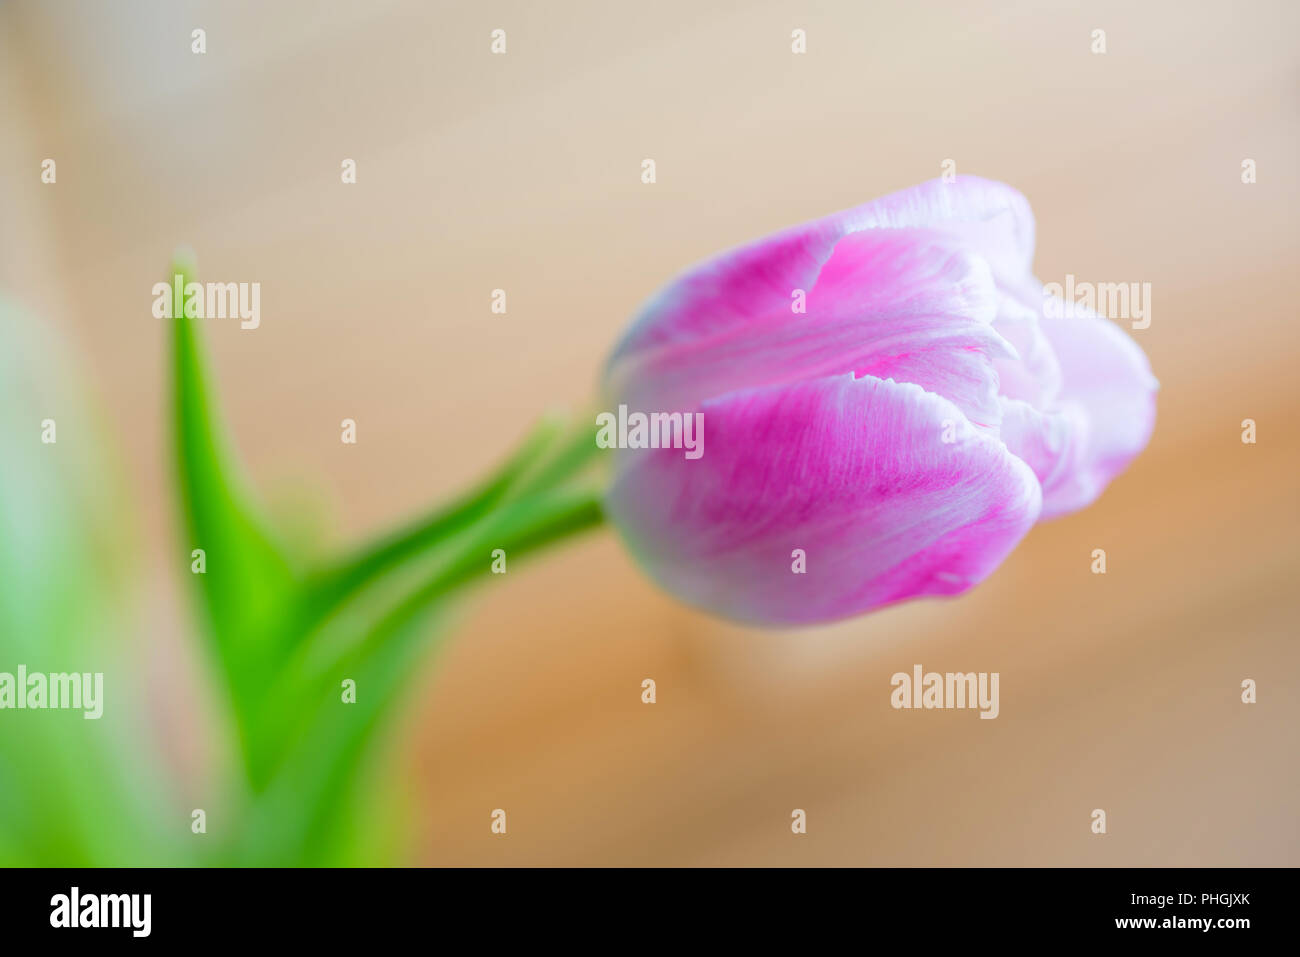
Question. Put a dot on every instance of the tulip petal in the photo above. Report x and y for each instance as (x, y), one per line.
(1053, 445)
(900, 304)
(756, 280)
(1035, 374)
(1106, 380)
(857, 472)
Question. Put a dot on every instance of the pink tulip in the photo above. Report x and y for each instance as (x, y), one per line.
(904, 432)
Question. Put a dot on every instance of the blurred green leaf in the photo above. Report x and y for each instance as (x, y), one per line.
(288, 633)
(73, 792)
(308, 813)
(248, 586)
(284, 631)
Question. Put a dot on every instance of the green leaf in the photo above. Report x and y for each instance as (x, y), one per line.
(249, 585)
(73, 792)
(330, 586)
(319, 783)
(288, 632)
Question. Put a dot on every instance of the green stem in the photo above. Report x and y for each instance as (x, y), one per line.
(518, 529)
(523, 509)
(330, 587)
(572, 456)
(296, 824)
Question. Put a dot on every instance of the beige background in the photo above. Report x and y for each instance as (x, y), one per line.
(522, 172)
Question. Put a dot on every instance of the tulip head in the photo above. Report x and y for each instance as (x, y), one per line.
(890, 404)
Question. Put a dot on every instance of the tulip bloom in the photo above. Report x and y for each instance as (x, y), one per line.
(904, 429)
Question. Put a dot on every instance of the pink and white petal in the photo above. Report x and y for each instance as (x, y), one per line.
(1107, 380)
(1035, 374)
(756, 280)
(889, 492)
(985, 216)
(1053, 445)
(900, 304)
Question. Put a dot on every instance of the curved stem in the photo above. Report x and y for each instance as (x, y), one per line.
(330, 587)
(522, 528)
(572, 457)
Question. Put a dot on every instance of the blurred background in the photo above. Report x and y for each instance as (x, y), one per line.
(522, 172)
